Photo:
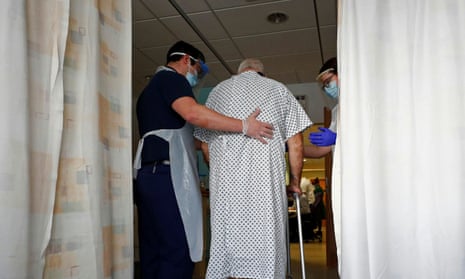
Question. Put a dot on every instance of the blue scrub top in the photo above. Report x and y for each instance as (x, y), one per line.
(154, 111)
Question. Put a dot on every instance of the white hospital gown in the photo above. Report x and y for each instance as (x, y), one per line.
(248, 200)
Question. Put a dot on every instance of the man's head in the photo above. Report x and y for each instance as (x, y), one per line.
(315, 181)
(187, 60)
(251, 64)
(328, 77)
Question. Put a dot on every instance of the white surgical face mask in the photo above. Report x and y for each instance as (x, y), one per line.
(331, 89)
(192, 77)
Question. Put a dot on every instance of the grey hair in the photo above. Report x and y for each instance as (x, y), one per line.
(251, 64)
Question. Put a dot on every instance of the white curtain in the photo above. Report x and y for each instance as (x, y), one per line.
(65, 164)
(401, 143)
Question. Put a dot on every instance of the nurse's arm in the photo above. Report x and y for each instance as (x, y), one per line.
(201, 116)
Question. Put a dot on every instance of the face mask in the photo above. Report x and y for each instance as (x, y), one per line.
(192, 78)
(332, 89)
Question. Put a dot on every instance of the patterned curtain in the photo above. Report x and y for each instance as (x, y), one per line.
(65, 178)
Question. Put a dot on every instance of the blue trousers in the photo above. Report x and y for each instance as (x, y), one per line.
(164, 252)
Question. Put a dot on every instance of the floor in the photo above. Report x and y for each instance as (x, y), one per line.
(315, 262)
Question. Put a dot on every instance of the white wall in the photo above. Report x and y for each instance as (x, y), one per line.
(315, 99)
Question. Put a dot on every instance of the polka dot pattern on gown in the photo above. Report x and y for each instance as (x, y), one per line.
(247, 179)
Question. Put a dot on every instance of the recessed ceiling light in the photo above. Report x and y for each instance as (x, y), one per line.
(277, 17)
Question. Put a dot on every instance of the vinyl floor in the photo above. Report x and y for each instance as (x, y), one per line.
(315, 262)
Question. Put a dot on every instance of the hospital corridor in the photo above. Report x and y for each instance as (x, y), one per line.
(163, 139)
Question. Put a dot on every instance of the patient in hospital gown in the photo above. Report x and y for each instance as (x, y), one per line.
(248, 199)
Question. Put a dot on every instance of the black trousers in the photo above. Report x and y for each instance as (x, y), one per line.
(164, 252)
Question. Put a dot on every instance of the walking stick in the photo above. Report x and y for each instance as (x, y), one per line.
(301, 240)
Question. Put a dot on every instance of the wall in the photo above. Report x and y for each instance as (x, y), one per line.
(315, 99)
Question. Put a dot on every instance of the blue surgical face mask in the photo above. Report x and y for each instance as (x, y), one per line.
(331, 89)
(192, 78)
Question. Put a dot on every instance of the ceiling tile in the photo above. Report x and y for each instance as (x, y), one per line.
(309, 62)
(177, 25)
(141, 12)
(227, 50)
(209, 25)
(329, 39)
(327, 12)
(163, 8)
(151, 33)
(289, 42)
(224, 4)
(156, 54)
(252, 20)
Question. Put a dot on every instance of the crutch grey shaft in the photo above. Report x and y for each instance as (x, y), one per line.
(301, 240)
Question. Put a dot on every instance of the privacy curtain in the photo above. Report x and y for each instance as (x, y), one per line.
(401, 142)
(65, 107)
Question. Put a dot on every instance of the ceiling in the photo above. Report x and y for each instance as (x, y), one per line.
(230, 30)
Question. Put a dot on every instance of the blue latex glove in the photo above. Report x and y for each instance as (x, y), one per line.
(324, 138)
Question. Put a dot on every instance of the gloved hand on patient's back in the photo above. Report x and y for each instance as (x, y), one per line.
(324, 138)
